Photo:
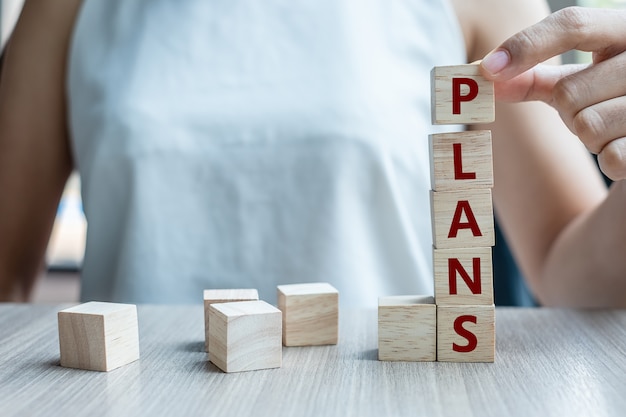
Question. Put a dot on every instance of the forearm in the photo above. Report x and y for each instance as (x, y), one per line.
(35, 158)
(32, 179)
(17, 285)
(25, 223)
(586, 265)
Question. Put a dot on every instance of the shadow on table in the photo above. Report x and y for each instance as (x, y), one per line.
(368, 355)
(192, 347)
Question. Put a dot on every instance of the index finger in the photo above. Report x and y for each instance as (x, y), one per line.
(581, 28)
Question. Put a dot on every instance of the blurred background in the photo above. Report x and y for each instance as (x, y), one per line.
(60, 282)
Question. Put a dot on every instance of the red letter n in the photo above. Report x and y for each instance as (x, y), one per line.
(454, 266)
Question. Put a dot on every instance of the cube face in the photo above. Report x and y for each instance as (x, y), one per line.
(310, 314)
(407, 328)
(245, 336)
(121, 333)
(462, 219)
(98, 336)
(460, 95)
(466, 333)
(224, 296)
(463, 276)
(82, 342)
(461, 160)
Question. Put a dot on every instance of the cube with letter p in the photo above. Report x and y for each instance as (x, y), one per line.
(460, 95)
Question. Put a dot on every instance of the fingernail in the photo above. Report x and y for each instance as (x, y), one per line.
(496, 61)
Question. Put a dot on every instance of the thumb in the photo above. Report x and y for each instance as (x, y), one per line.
(535, 84)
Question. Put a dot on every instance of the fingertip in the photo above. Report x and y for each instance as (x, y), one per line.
(495, 62)
(612, 159)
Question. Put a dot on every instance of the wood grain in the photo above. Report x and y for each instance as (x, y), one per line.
(98, 336)
(548, 362)
(215, 296)
(245, 336)
(310, 314)
(476, 263)
(466, 333)
(444, 207)
(478, 110)
(475, 165)
(407, 328)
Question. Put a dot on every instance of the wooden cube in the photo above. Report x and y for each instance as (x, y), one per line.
(224, 296)
(466, 333)
(460, 95)
(98, 336)
(463, 276)
(245, 336)
(310, 314)
(461, 160)
(407, 328)
(462, 219)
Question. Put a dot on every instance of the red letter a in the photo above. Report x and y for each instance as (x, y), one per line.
(457, 97)
(463, 206)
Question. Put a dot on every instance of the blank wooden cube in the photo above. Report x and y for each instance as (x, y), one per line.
(466, 333)
(460, 95)
(462, 219)
(407, 328)
(310, 314)
(463, 276)
(98, 336)
(224, 296)
(245, 336)
(461, 160)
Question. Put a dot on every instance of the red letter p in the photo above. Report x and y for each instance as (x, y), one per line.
(457, 97)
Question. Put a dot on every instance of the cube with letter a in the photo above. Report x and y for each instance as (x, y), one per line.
(462, 219)
(460, 95)
(466, 333)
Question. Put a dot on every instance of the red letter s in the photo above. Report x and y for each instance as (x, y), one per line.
(472, 341)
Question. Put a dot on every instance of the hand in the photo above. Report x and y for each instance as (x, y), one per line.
(591, 99)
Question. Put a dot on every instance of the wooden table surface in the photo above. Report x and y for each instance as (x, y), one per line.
(548, 363)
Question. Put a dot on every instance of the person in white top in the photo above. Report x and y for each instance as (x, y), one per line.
(254, 146)
(234, 145)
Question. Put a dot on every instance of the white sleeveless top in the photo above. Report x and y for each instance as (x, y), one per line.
(246, 144)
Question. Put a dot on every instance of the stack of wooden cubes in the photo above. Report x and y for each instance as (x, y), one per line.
(458, 325)
(462, 215)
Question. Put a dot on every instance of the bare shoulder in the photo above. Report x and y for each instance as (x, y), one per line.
(33, 71)
(44, 25)
(35, 57)
(486, 23)
(58, 14)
